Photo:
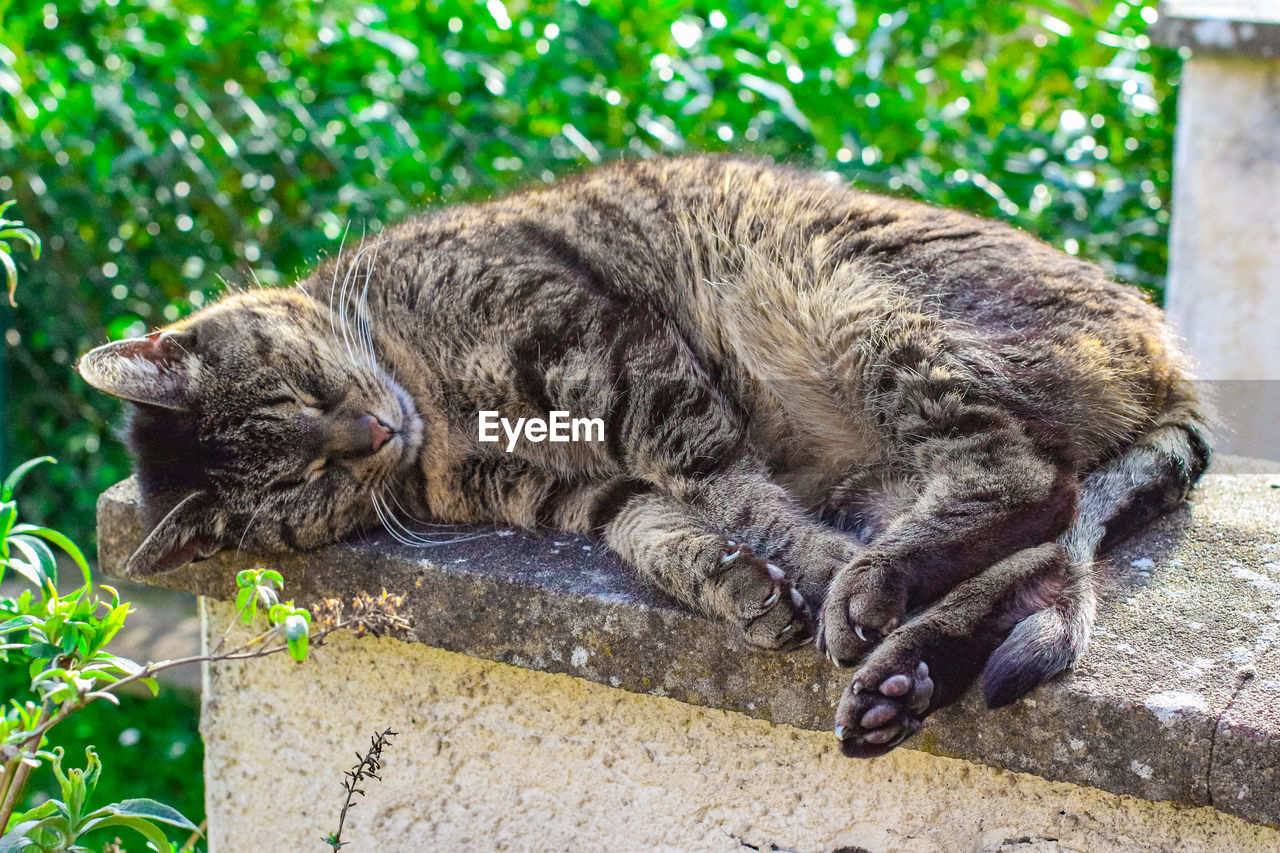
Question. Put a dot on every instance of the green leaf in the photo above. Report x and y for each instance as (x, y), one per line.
(43, 651)
(109, 627)
(39, 558)
(149, 831)
(10, 274)
(29, 572)
(8, 515)
(40, 812)
(17, 840)
(11, 482)
(124, 664)
(62, 541)
(26, 235)
(298, 648)
(18, 623)
(152, 810)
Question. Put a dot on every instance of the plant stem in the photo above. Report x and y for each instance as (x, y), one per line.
(15, 779)
(191, 842)
(17, 782)
(151, 669)
(370, 760)
(18, 778)
(10, 768)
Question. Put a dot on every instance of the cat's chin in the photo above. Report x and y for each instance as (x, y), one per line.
(410, 429)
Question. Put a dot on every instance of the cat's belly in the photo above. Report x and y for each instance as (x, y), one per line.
(809, 439)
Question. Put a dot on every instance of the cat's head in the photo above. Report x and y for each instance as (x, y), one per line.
(256, 424)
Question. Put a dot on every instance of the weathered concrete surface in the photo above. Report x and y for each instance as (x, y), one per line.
(1223, 292)
(1239, 27)
(1156, 709)
(492, 757)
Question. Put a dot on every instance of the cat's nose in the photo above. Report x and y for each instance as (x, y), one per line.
(379, 433)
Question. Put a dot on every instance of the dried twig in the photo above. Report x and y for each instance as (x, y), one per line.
(367, 768)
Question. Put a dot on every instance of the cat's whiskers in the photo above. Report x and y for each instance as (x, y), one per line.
(252, 518)
(333, 285)
(363, 325)
(344, 322)
(393, 491)
(355, 329)
(402, 534)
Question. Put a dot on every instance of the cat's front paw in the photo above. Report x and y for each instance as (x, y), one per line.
(772, 612)
(863, 606)
(885, 705)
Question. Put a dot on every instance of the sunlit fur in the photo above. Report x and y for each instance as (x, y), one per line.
(904, 431)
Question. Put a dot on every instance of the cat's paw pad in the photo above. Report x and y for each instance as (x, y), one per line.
(882, 708)
(861, 609)
(772, 612)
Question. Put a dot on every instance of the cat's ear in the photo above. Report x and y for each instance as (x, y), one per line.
(155, 369)
(191, 531)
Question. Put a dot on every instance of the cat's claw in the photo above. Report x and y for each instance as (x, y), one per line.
(872, 721)
(773, 612)
(863, 607)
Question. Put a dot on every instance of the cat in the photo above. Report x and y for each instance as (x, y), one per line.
(901, 431)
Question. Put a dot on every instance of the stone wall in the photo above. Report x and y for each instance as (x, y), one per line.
(547, 700)
(496, 757)
(1224, 255)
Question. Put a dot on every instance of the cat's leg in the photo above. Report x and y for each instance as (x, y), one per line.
(716, 575)
(664, 540)
(669, 425)
(987, 484)
(931, 660)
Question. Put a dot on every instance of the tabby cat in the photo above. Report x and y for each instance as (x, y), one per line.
(901, 431)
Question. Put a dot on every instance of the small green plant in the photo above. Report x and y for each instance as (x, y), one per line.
(60, 641)
(367, 767)
(60, 824)
(10, 230)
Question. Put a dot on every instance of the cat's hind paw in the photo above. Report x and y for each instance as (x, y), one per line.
(883, 707)
(772, 612)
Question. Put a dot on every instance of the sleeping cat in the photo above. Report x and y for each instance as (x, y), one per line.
(901, 431)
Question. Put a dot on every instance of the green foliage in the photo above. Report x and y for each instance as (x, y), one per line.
(263, 587)
(60, 825)
(164, 147)
(11, 230)
(59, 640)
(152, 748)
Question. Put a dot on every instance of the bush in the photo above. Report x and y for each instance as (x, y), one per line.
(163, 148)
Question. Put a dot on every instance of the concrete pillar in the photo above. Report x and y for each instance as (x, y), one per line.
(1224, 270)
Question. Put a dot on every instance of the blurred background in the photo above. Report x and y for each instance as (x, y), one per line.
(164, 149)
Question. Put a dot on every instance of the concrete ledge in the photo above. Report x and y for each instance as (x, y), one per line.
(1178, 698)
(1239, 27)
(495, 757)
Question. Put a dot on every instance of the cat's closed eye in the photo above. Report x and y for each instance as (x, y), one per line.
(307, 475)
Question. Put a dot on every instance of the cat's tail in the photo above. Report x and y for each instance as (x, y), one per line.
(1150, 478)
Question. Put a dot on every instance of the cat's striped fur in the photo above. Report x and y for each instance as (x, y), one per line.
(903, 430)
